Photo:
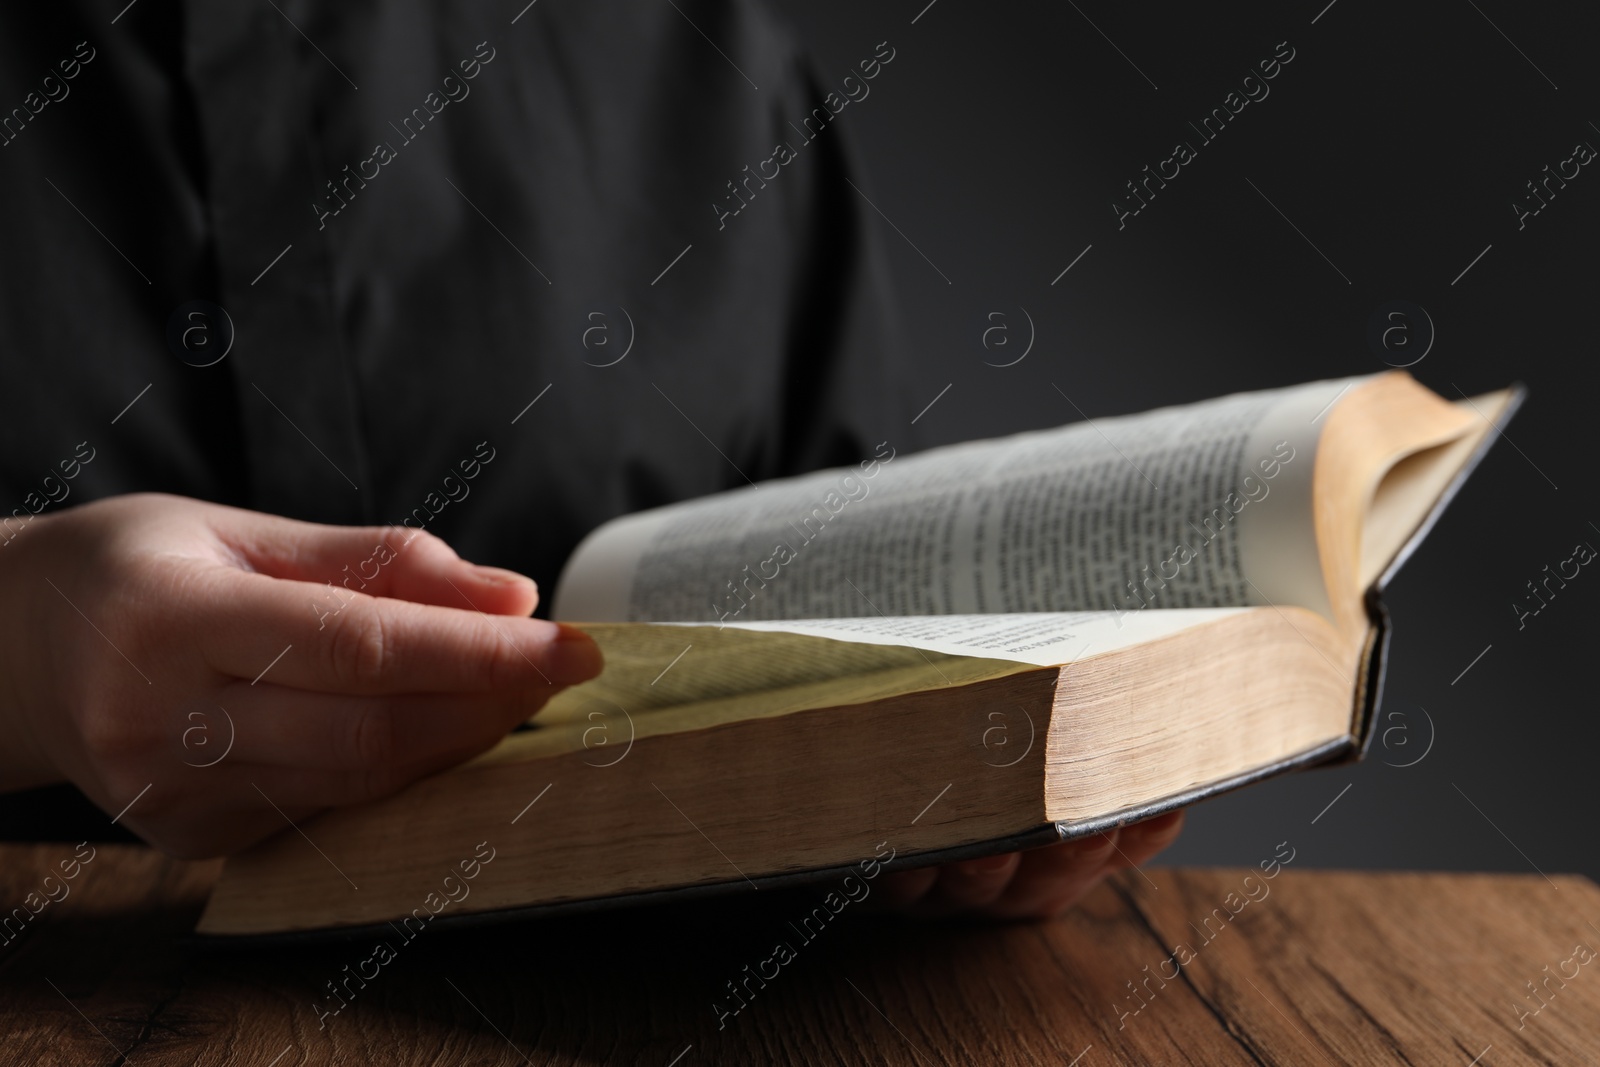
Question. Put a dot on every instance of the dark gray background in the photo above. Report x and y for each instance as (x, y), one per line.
(1396, 141)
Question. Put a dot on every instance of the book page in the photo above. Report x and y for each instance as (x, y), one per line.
(1043, 639)
(668, 677)
(1204, 505)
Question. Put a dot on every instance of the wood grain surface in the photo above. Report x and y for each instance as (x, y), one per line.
(1306, 968)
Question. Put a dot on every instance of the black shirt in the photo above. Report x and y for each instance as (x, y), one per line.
(470, 265)
(418, 218)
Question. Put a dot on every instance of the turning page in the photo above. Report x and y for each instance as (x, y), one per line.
(741, 671)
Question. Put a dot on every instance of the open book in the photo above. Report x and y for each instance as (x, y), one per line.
(976, 648)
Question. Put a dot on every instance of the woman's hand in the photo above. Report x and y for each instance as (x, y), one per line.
(1038, 884)
(144, 636)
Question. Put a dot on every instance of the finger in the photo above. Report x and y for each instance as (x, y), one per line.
(386, 561)
(274, 725)
(901, 889)
(235, 805)
(188, 817)
(1141, 841)
(245, 625)
(969, 884)
(1055, 877)
(216, 832)
(314, 789)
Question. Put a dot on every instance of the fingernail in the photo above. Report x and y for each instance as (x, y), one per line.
(572, 657)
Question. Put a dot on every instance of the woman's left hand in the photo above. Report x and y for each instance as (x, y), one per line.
(1038, 884)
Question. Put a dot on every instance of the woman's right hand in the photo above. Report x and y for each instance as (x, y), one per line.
(146, 635)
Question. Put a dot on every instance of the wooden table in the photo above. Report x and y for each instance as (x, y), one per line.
(1314, 967)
